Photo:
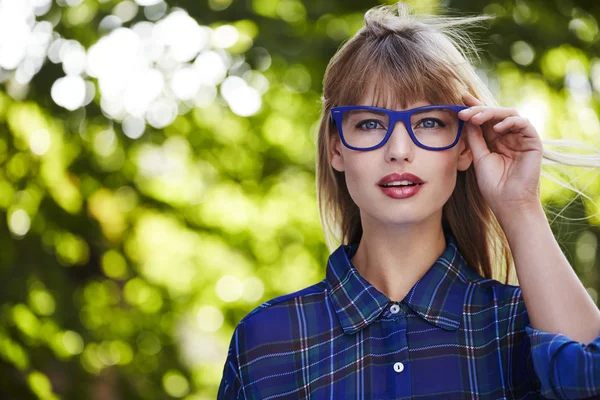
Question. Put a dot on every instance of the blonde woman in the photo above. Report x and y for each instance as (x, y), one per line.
(434, 192)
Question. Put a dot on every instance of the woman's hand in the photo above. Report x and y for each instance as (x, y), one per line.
(507, 155)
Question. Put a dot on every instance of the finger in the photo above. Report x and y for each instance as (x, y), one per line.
(477, 143)
(469, 112)
(471, 100)
(515, 123)
(492, 113)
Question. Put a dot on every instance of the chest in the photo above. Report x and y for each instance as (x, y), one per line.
(397, 357)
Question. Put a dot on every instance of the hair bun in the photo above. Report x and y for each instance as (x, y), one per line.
(388, 19)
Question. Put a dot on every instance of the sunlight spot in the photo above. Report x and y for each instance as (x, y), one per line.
(229, 288)
(19, 222)
(536, 110)
(39, 142)
(209, 318)
(69, 92)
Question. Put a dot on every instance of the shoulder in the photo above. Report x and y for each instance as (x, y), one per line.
(478, 287)
(275, 308)
(500, 301)
(277, 324)
(495, 290)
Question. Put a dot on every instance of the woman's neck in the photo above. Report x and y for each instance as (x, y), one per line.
(393, 259)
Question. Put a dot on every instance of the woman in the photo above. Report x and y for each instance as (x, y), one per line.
(435, 192)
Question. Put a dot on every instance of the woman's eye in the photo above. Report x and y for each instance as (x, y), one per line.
(369, 124)
(430, 123)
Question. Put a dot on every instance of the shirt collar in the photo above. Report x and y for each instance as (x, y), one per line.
(438, 297)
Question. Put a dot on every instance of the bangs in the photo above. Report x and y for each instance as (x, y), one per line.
(395, 72)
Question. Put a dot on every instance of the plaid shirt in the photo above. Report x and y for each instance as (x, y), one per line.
(456, 335)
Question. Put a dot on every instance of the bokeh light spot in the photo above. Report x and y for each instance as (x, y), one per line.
(219, 5)
(243, 99)
(175, 384)
(148, 343)
(42, 302)
(114, 265)
(148, 2)
(134, 127)
(586, 247)
(40, 385)
(536, 110)
(19, 222)
(186, 83)
(522, 52)
(71, 249)
(39, 142)
(161, 113)
(297, 79)
(69, 92)
(209, 318)
(73, 57)
(73, 342)
(253, 289)
(225, 36)
(229, 288)
(154, 11)
(182, 35)
(125, 10)
(25, 320)
(211, 66)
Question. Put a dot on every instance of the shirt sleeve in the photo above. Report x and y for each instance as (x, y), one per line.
(230, 386)
(566, 369)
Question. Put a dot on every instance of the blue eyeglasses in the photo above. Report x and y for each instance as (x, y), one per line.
(364, 128)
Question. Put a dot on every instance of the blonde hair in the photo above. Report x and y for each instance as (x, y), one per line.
(403, 59)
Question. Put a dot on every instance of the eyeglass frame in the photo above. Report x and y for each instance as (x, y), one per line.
(395, 116)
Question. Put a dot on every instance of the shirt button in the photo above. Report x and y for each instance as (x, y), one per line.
(398, 367)
(395, 308)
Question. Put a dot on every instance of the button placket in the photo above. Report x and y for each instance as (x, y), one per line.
(398, 366)
(397, 363)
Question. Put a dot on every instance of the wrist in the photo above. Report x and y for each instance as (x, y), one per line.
(509, 214)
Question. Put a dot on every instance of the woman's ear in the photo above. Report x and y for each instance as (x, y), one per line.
(465, 156)
(335, 153)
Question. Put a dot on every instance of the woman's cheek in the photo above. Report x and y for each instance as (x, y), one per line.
(448, 181)
(356, 186)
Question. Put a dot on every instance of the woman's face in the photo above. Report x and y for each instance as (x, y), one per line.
(364, 169)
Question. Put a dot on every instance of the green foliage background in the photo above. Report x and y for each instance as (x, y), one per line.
(127, 285)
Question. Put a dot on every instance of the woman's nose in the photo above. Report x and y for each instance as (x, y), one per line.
(400, 144)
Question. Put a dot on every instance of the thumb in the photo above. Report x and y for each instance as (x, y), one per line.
(477, 143)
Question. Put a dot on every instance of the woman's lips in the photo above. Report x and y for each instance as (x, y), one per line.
(401, 192)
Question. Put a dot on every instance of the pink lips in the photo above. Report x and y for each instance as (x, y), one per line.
(399, 177)
(400, 192)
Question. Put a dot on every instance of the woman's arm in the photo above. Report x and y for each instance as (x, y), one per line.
(564, 321)
(507, 156)
(555, 298)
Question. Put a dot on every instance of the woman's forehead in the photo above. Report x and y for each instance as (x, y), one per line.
(403, 93)
(393, 88)
(394, 104)
(393, 101)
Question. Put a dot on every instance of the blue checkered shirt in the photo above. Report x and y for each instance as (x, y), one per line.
(456, 335)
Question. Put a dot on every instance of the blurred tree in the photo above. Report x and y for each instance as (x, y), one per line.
(157, 173)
